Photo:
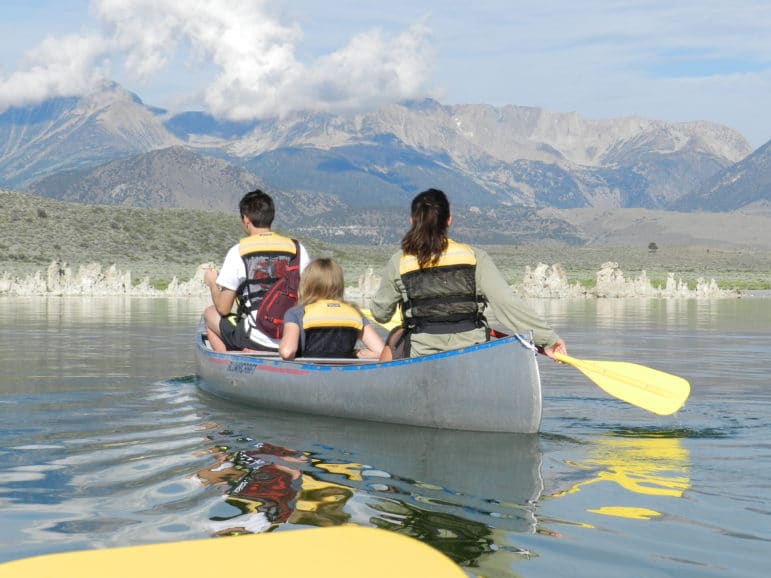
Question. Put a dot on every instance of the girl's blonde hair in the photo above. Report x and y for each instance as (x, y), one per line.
(321, 279)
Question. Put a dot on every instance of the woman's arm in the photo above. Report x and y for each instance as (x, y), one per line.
(510, 309)
(388, 296)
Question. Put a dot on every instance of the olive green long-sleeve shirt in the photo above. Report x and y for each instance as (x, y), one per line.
(507, 308)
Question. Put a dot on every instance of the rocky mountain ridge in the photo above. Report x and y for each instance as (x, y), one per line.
(517, 155)
(506, 133)
(68, 133)
(746, 184)
(111, 148)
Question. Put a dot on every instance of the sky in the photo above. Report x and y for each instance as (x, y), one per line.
(242, 59)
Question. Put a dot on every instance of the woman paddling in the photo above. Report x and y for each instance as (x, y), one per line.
(443, 287)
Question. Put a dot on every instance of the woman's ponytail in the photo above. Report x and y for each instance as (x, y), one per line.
(427, 237)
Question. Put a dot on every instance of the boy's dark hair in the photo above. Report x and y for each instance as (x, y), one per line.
(258, 207)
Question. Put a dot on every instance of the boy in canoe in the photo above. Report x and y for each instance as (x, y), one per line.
(260, 273)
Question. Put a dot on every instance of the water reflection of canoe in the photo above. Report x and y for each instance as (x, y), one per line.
(493, 386)
(461, 473)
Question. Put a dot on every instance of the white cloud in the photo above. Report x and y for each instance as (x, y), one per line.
(257, 72)
(64, 66)
(370, 71)
(678, 61)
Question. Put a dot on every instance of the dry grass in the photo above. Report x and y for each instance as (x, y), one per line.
(163, 243)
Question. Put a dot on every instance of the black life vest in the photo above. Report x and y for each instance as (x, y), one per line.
(331, 329)
(442, 297)
(272, 277)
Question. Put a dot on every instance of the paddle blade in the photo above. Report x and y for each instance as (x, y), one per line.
(337, 552)
(395, 321)
(653, 390)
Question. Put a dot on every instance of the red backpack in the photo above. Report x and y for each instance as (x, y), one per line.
(279, 298)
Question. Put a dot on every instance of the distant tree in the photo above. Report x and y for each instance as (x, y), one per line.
(652, 247)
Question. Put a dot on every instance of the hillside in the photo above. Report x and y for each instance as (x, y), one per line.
(745, 230)
(744, 184)
(177, 177)
(734, 249)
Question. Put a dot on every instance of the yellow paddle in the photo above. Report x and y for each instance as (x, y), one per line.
(650, 389)
(653, 390)
(395, 321)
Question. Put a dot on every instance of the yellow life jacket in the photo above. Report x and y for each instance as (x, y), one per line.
(330, 329)
(272, 264)
(442, 297)
(455, 254)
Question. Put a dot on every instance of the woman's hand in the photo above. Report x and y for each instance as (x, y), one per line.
(557, 347)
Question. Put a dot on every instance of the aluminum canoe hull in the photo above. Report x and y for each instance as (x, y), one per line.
(492, 386)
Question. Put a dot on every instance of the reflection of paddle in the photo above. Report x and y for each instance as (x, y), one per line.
(653, 390)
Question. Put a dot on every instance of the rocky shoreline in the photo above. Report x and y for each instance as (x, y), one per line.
(543, 281)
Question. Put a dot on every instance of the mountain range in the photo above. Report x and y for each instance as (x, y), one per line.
(359, 171)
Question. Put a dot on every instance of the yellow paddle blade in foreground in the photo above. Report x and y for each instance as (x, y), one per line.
(656, 391)
(340, 552)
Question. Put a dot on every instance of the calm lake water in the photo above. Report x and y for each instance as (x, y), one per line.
(105, 440)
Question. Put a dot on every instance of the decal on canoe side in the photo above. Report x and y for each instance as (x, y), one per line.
(247, 368)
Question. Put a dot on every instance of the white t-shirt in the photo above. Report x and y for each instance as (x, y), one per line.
(233, 272)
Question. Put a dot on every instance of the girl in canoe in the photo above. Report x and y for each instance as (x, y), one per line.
(443, 288)
(322, 324)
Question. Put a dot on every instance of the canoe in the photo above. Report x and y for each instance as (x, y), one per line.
(493, 386)
(339, 552)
